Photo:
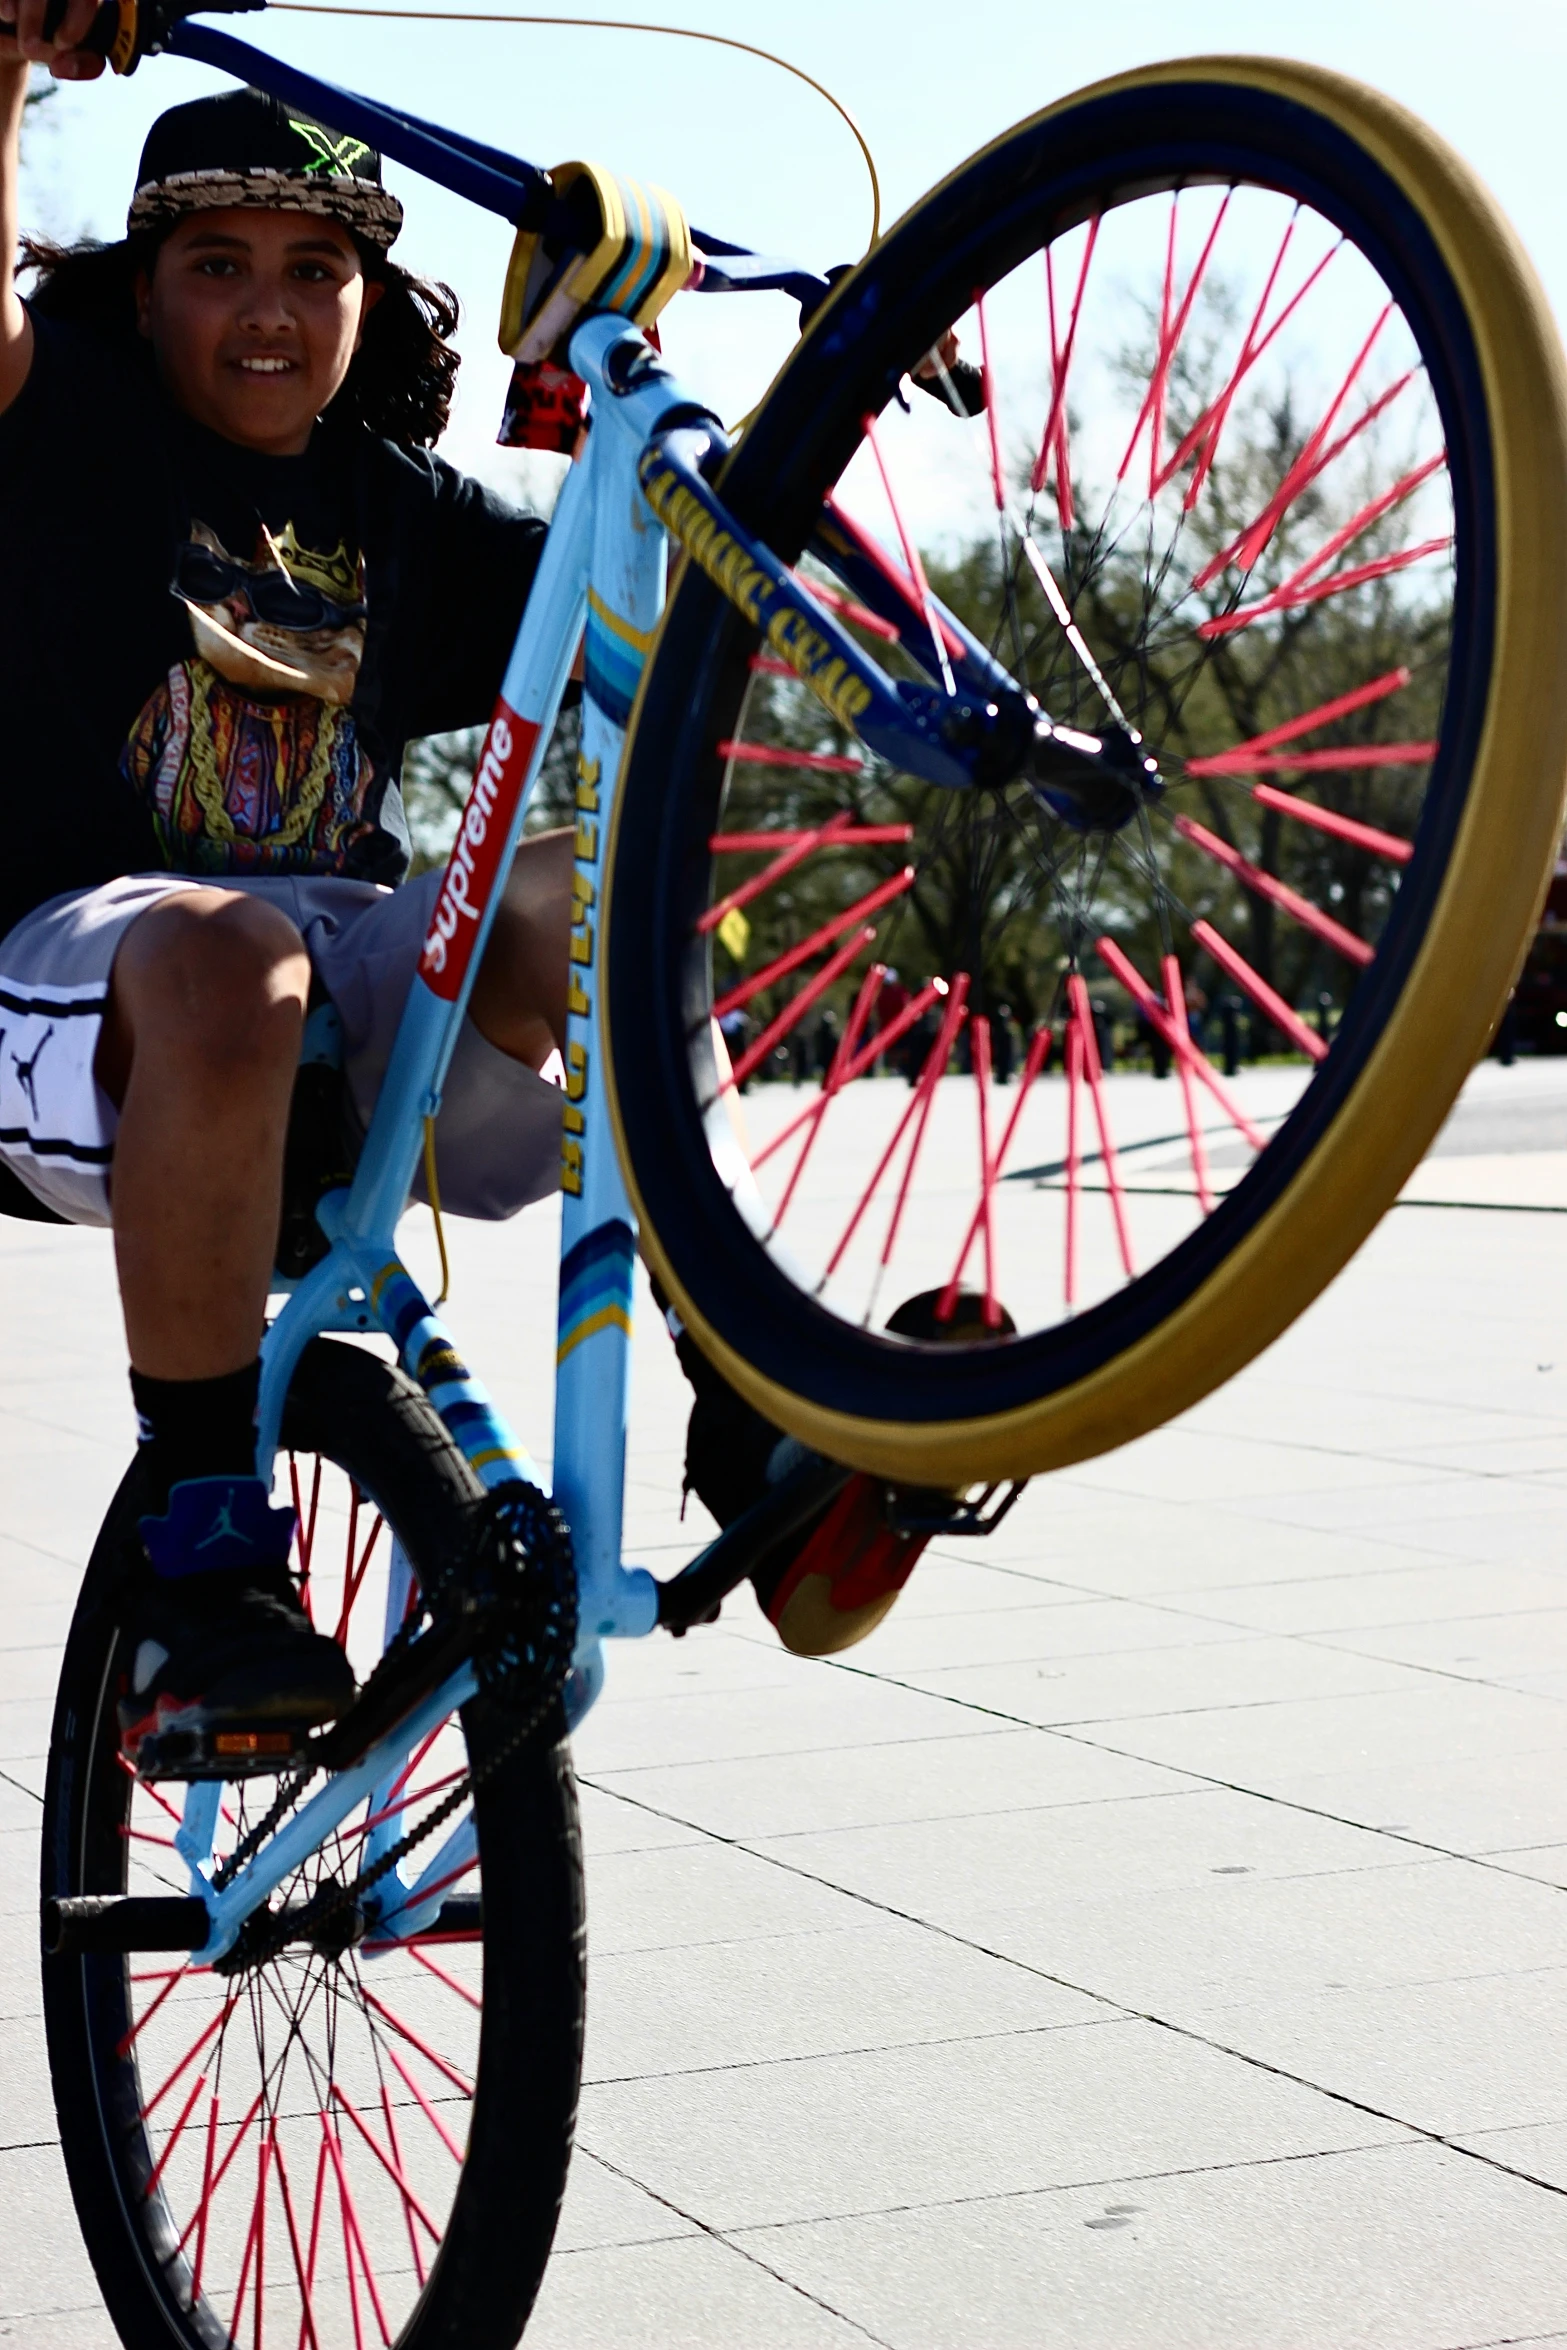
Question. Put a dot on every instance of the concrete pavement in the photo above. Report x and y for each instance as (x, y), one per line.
(1156, 1935)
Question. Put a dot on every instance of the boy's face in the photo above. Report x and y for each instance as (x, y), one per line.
(254, 318)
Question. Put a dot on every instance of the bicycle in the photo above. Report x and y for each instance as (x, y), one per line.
(340, 2101)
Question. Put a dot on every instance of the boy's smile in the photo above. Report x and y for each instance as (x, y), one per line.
(254, 318)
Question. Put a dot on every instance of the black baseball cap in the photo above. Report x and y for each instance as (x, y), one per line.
(249, 149)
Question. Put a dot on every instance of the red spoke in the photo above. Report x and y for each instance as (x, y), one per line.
(1038, 1054)
(847, 609)
(930, 1077)
(860, 911)
(395, 2143)
(766, 665)
(424, 2105)
(406, 2032)
(1266, 999)
(307, 2334)
(190, 2055)
(175, 2135)
(441, 1976)
(796, 1008)
(217, 2177)
(1211, 423)
(988, 381)
(452, 1877)
(905, 584)
(333, 2154)
(253, 2240)
(162, 1801)
(1074, 1090)
(914, 1010)
(353, 2234)
(911, 557)
(392, 2169)
(857, 835)
(145, 1836)
(867, 1056)
(1290, 598)
(401, 1802)
(870, 989)
(356, 1576)
(1365, 836)
(794, 852)
(305, 1526)
(315, 2232)
(1268, 885)
(1175, 1002)
(1054, 442)
(199, 2218)
(1314, 459)
(1170, 333)
(413, 1762)
(1078, 993)
(1346, 760)
(778, 755)
(1179, 1039)
(1339, 707)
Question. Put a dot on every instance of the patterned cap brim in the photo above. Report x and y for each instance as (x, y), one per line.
(360, 205)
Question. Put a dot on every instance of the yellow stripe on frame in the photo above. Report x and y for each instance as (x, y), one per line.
(639, 638)
(607, 1318)
(497, 1452)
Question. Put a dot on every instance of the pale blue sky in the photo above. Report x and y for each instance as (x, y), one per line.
(755, 156)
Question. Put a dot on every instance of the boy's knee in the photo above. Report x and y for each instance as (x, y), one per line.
(219, 974)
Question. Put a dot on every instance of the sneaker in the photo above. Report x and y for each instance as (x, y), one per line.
(846, 1577)
(223, 1658)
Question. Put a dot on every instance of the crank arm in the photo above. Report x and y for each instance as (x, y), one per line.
(695, 1594)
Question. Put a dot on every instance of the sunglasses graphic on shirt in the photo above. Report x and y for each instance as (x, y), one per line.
(204, 577)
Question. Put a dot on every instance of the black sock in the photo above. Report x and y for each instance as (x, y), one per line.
(195, 1428)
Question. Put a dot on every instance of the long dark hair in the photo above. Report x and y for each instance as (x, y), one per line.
(400, 382)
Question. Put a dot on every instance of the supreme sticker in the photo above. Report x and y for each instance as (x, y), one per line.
(472, 867)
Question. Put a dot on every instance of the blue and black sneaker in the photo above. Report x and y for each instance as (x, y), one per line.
(225, 1672)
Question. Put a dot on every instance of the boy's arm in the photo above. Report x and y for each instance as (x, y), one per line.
(22, 44)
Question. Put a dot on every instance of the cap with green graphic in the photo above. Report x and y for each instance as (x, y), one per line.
(251, 150)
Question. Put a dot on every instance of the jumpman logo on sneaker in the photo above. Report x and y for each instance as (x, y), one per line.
(224, 1528)
(24, 1069)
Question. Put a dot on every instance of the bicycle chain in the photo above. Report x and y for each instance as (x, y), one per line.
(529, 1545)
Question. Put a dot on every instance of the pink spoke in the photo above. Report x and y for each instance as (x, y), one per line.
(930, 1077)
(847, 609)
(145, 1836)
(1175, 1001)
(987, 378)
(765, 665)
(778, 755)
(333, 2154)
(868, 1054)
(356, 1576)
(1344, 761)
(1340, 707)
(190, 2055)
(413, 1762)
(254, 2241)
(870, 989)
(353, 2234)
(1268, 885)
(1170, 333)
(441, 1976)
(1211, 423)
(308, 2332)
(392, 2169)
(859, 835)
(1179, 1039)
(1314, 459)
(912, 1011)
(860, 911)
(395, 2143)
(205, 2205)
(401, 1802)
(1078, 992)
(407, 2032)
(175, 2134)
(1267, 1001)
(1054, 443)
(1288, 598)
(1074, 1089)
(305, 1523)
(453, 1877)
(1038, 1054)
(315, 2231)
(160, 1974)
(911, 556)
(794, 852)
(217, 2177)
(905, 584)
(424, 2105)
(162, 1801)
(1365, 836)
(796, 1008)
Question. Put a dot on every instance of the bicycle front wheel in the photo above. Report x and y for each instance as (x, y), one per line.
(1265, 463)
(332, 2146)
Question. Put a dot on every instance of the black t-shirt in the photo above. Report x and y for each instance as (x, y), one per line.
(332, 606)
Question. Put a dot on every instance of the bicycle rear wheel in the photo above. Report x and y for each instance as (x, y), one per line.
(324, 2149)
(1271, 468)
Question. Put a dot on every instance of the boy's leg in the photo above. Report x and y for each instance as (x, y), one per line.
(199, 1048)
(519, 995)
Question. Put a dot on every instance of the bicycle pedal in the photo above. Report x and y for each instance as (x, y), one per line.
(205, 1753)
